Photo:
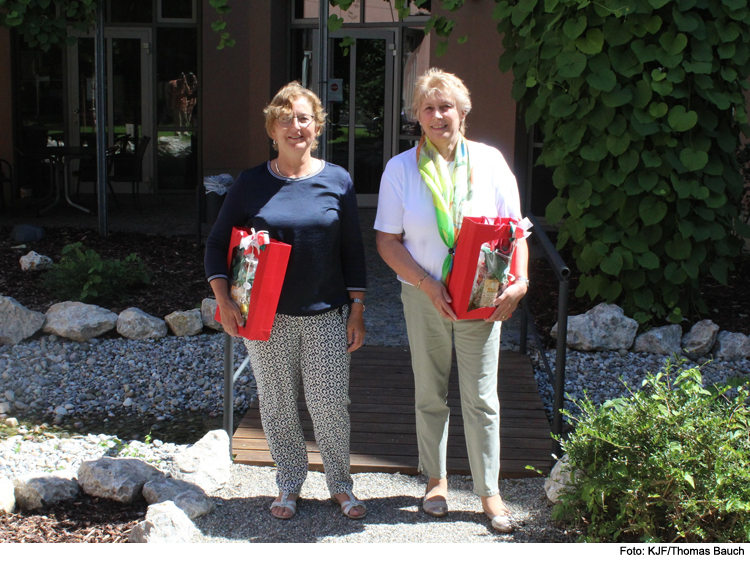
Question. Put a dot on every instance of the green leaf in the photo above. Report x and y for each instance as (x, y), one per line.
(592, 43)
(562, 106)
(658, 109)
(603, 80)
(555, 210)
(612, 264)
(617, 98)
(628, 161)
(648, 179)
(682, 120)
(649, 261)
(692, 159)
(570, 64)
(658, 3)
(651, 159)
(652, 211)
(673, 44)
(678, 248)
(574, 27)
(618, 145)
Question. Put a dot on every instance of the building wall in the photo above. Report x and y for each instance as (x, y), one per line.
(6, 108)
(493, 116)
(236, 87)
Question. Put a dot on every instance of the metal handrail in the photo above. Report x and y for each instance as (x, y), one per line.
(563, 276)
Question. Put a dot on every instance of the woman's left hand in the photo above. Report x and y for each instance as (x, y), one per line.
(508, 301)
(355, 328)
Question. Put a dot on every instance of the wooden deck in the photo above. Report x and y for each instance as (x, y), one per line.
(383, 437)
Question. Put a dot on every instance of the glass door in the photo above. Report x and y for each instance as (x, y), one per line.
(129, 93)
(360, 122)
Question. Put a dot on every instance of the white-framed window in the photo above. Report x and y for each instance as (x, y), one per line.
(176, 11)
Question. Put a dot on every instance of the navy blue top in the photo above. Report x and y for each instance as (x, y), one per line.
(317, 215)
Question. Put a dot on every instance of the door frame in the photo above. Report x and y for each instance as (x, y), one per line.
(147, 90)
(390, 122)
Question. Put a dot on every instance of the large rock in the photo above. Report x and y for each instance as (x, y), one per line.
(208, 311)
(558, 480)
(17, 322)
(7, 496)
(37, 490)
(603, 328)
(700, 339)
(134, 323)
(78, 321)
(35, 262)
(164, 523)
(206, 463)
(660, 341)
(187, 496)
(731, 346)
(184, 323)
(120, 479)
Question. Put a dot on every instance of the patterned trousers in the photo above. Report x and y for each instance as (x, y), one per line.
(311, 349)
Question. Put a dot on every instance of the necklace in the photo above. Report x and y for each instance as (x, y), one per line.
(284, 176)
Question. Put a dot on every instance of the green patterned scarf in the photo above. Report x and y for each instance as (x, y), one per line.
(449, 194)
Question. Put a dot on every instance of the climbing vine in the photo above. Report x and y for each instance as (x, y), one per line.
(641, 105)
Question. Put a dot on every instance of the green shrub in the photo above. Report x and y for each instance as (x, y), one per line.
(668, 463)
(82, 275)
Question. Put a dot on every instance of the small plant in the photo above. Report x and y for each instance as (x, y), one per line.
(83, 275)
(668, 463)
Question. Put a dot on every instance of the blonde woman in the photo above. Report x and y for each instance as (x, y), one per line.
(310, 204)
(415, 239)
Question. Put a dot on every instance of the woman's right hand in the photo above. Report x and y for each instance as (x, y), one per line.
(439, 296)
(231, 318)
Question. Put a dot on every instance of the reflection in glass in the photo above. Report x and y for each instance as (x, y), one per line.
(310, 9)
(177, 160)
(338, 118)
(177, 9)
(177, 98)
(41, 95)
(131, 11)
(385, 11)
(126, 88)
(415, 60)
(370, 114)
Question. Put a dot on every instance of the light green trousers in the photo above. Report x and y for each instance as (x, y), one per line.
(431, 339)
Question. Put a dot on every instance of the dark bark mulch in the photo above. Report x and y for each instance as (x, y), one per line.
(84, 520)
(175, 265)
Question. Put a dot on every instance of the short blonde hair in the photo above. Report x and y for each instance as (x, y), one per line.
(435, 81)
(282, 102)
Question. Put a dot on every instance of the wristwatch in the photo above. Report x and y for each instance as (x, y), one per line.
(523, 280)
(358, 300)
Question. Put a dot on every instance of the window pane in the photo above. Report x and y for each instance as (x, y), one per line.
(177, 82)
(385, 11)
(415, 61)
(131, 11)
(310, 9)
(177, 9)
(370, 106)
(177, 97)
(41, 95)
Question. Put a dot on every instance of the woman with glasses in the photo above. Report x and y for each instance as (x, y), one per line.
(310, 204)
(424, 195)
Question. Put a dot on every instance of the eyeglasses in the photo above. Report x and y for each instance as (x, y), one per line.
(303, 120)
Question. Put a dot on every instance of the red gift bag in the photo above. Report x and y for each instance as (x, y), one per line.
(273, 258)
(475, 231)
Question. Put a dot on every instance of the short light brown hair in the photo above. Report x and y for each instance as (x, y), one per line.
(281, 104)
(435, 81)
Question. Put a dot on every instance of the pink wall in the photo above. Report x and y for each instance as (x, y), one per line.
(493, 115)
(236, 88)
